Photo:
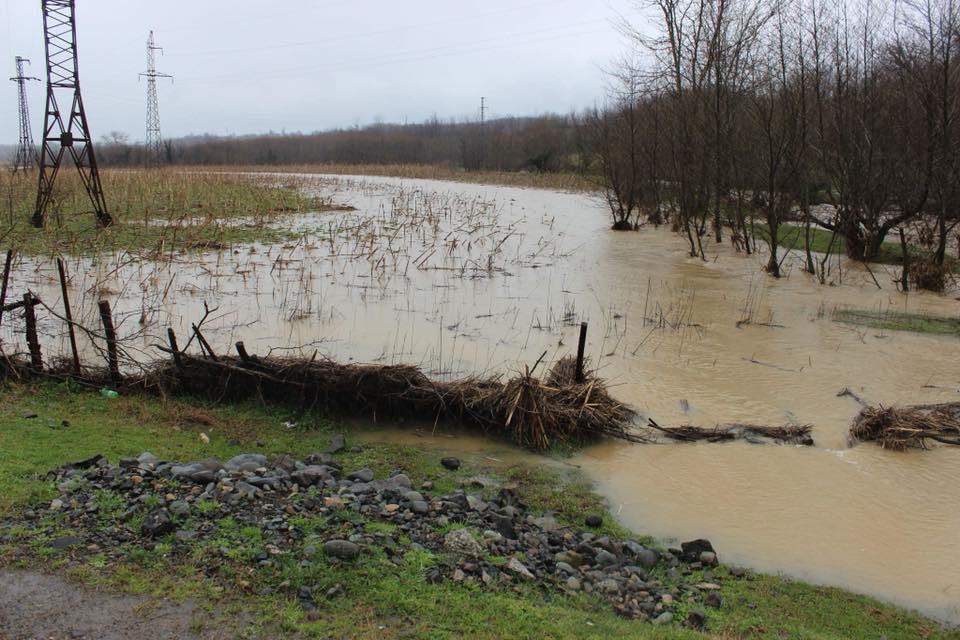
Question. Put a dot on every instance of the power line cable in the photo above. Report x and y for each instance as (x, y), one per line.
(415, 55)
(367, 34)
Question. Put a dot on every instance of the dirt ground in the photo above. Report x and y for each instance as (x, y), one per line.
(45, 607)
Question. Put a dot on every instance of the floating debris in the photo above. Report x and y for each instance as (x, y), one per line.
(902, 428)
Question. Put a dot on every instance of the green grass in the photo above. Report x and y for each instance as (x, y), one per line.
(154, 211)
(790, 236)
(899, 321)
(373, 597)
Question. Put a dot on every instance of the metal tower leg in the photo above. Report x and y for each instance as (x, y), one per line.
(71, 135)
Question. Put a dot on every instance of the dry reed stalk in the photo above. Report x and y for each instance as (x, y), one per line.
(901, 428)
(787, 434)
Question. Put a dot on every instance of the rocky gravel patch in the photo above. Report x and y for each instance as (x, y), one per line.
(316, 511)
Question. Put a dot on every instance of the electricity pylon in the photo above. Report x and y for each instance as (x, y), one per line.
(154, 150)
(26, 151)
(70, 135)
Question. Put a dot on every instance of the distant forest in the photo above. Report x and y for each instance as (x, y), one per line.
(544, 143)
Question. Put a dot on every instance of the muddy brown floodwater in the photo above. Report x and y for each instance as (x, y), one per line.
(464, 279)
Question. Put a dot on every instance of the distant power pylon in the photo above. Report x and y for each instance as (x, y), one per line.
(71, 134)
(483, 131)
(154, 148)
(26, 151)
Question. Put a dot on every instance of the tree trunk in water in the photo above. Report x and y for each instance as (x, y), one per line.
(773, 226)
(905, 281)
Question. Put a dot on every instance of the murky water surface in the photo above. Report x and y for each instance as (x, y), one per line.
(465, 279)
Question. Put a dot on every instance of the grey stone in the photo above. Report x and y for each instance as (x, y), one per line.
(311, 475)
(419, 506)
(648, 558)
(696, 619)
(605, 543)
(573, 584)
(664, 618)
(566, 568)
(608, 585)
(285, 462)
(708, 558)
(450, 463)
(363, 475)
(519, 568)
(413, 496)
(65, 542)
(157, 524)
(400, 481)
(147, 460)
(571, 558)
(462, 542)
(547, 522)
(273, 483)
(319, 458)
(714, 600)
(480, 482)
(203, 471)
(476, 503)
(341, 549)
(247, 490)
(179, 508)
(245, 462)
(362, 488)
(593, 520)
(185, 536)
(691, 550)
(605, 559)
(504, 525)
(337, 443)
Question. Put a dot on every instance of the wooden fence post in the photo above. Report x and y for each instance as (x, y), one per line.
(172, 338)
(36, 357)
(580, 352)
(106, 317)
(6, 278)
(66, 308)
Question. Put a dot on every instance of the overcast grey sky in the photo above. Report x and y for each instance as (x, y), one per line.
(252, 67)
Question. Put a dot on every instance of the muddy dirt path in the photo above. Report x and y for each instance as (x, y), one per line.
(45, 607)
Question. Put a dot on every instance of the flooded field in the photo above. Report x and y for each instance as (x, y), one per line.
(464, 279)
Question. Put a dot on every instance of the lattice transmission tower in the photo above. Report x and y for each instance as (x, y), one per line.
(26, 158)
(154, 148)
(68, 135)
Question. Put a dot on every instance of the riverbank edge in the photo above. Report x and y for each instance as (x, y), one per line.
(765, 606)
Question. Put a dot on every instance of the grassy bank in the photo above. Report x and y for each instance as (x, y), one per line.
(792, 237)
(378, 598)
(554, 181)
(163, 210)
(899, 321)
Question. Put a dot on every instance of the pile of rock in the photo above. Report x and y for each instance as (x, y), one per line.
(481, 533)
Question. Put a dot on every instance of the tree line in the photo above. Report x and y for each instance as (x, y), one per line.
(544, 143)
(729, 115)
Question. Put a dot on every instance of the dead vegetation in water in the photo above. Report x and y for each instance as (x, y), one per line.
(529, 179)
(156, 211)
(787, 434)
(531, 412)
(902, 428)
